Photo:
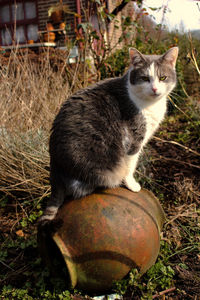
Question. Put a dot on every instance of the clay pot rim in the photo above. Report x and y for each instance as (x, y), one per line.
(67, 257)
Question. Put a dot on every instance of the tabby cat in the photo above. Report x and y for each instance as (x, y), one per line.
(99, 132)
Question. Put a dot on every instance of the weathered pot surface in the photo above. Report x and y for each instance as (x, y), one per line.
(104, 235)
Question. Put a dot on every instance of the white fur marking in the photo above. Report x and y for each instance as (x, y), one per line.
(49, 214)
(151, 70)
(132, 184)
(126, 138)
(129, 180)
(115, 177)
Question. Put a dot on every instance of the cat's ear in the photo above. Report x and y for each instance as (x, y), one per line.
(135, 56)
(171, 56)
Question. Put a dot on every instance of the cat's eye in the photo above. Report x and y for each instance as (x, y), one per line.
(163, 78)
(145, 78)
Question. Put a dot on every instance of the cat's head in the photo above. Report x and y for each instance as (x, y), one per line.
(152, 77)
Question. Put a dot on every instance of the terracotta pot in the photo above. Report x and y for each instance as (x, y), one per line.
(49, 37)
(103, 236)
(49, 27)
(62, 26)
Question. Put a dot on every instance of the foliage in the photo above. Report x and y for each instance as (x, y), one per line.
(22, 294)
(115, 64)
(99, 43)
(158, 277)
(59, 7)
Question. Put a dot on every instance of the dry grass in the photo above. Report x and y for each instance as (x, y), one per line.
(32, 88)
(31, 91)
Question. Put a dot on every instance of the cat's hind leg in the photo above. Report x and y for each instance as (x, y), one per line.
(57, 197)
(73, 188)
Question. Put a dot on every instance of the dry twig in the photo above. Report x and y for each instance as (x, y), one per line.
(164, 293)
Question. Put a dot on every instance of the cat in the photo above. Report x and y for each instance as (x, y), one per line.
(99, 132)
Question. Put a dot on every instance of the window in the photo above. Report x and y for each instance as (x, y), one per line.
(18, 21)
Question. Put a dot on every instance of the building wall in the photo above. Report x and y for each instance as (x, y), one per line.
(115, 33)
(43, 6)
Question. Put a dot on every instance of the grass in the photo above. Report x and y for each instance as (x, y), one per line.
(32, 88)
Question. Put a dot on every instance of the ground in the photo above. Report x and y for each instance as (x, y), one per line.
(172, 171)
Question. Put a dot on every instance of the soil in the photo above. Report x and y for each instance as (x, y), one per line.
(178, 171)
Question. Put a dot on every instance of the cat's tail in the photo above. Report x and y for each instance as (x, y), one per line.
(73, 189)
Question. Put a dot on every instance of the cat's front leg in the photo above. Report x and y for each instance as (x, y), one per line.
(132, 184)
(129, 180)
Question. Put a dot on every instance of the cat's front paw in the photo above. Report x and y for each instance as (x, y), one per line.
(132, 184)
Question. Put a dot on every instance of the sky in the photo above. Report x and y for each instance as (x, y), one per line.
(185, 11)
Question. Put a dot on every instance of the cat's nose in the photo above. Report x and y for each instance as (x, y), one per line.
(154, 90)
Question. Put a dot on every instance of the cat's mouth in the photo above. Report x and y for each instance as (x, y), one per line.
(155, 95)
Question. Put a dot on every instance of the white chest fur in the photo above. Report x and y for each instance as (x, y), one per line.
(153, 114)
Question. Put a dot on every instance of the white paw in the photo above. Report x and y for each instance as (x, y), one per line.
(49, 214)
(132, 184)
(46, 218)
